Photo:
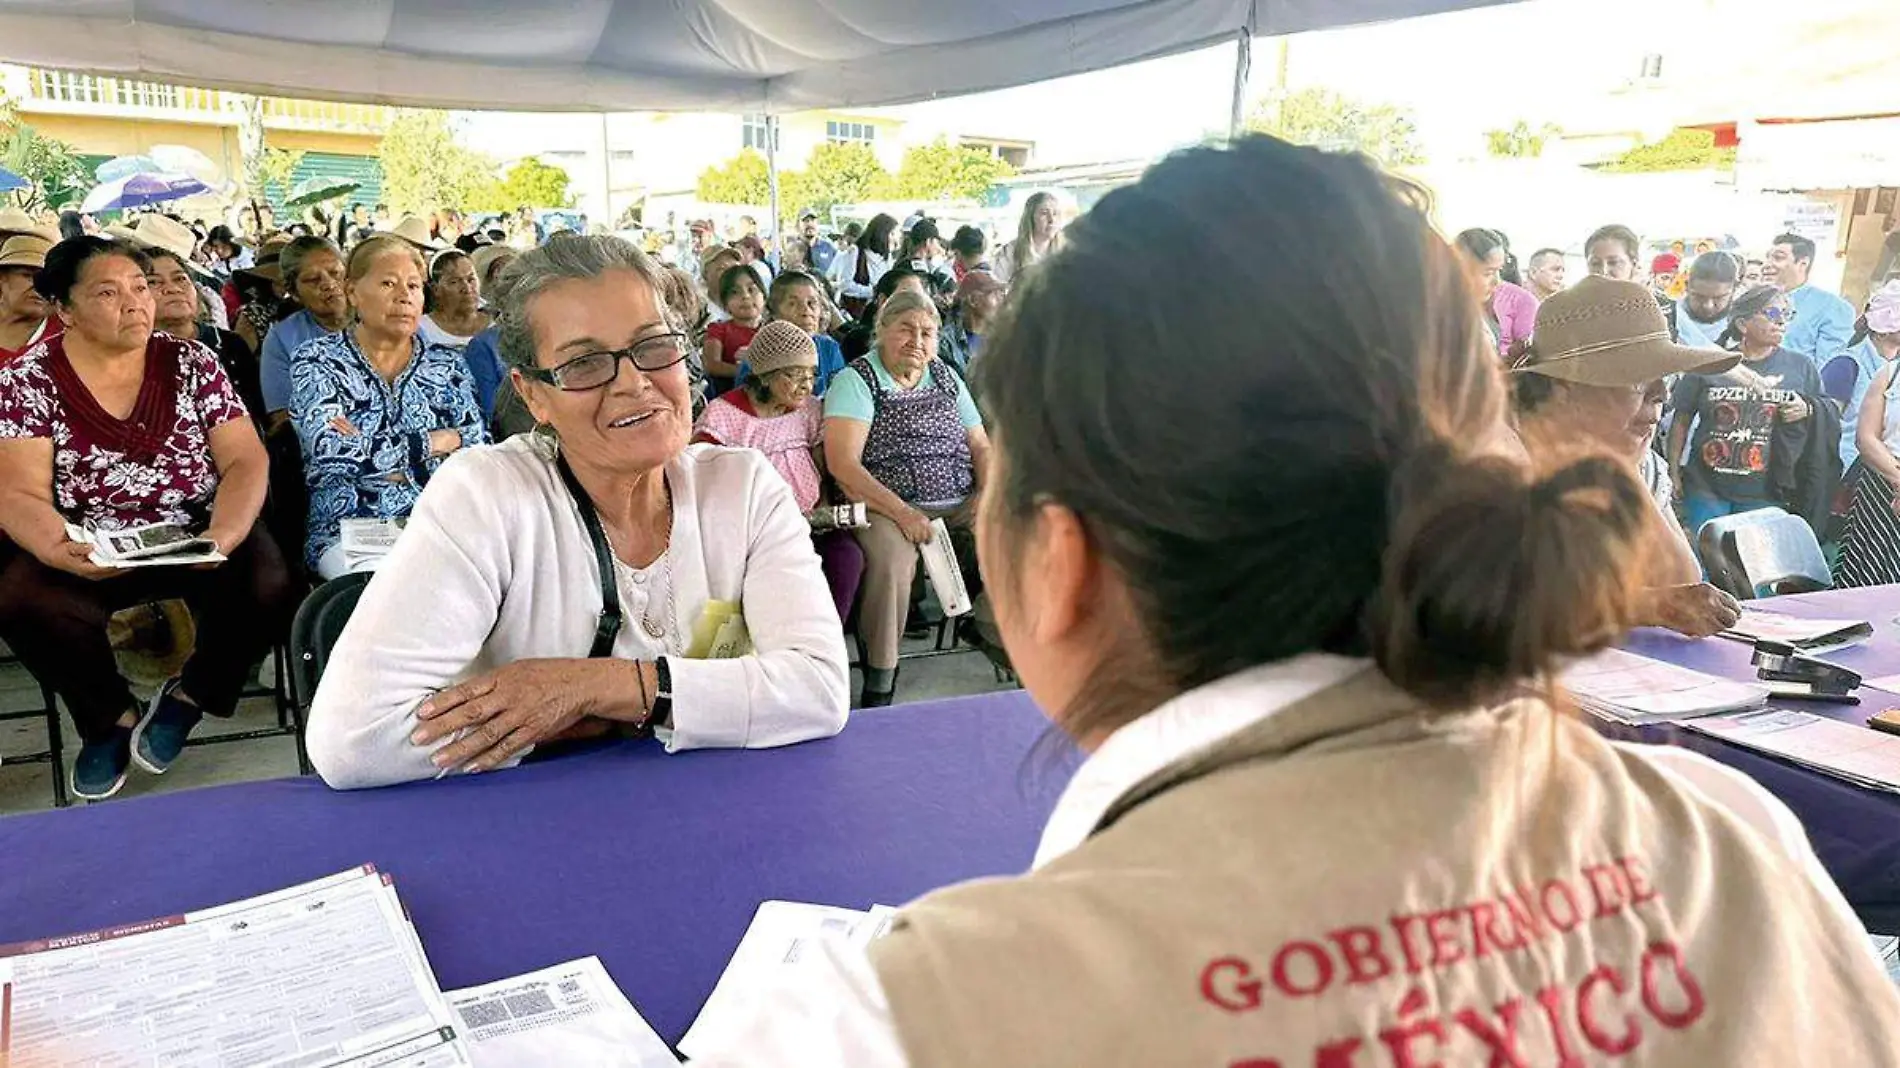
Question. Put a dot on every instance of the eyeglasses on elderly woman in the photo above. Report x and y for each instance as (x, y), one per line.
(595, 369)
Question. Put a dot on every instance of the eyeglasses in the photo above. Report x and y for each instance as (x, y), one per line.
(1778, 315)
(596, 369)
(796, 376)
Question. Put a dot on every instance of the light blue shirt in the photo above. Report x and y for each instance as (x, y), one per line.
(1823, 325)
(1867, 359)
(284, 339)
(850, 398)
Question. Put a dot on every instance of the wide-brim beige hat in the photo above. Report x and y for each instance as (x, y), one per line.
(1601, 332)
(485, 257)
(14, 221)
(415, 230)
(158, 233)
(265, 263)
(24, 250)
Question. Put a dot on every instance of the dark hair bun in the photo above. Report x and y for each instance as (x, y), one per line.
(1448, 627)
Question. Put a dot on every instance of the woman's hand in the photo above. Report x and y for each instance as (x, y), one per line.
(443, 442)
(915, 525)
(495, 717)
(1796, 410)
(75, 558)
(1696, 611)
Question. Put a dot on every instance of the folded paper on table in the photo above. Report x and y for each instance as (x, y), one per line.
(1634, 689)
(1860, 755)
(1808, 635)
(569, 1014)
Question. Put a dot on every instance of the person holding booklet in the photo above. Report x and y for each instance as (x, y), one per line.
(110, 427)
(1333, 809)
(600, 576)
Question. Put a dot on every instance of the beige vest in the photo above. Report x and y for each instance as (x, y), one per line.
(1350, 883)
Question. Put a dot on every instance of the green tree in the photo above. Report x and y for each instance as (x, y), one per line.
(942, 171)
(838, 172)
(1680, 150)
(535, 184)
(52, 166)
(424, 166)
(1520, 141)
(1338, 123)
(277, 168)
(743, 179)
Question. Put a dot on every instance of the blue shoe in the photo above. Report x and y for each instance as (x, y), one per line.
(160, 735)
(99, 770)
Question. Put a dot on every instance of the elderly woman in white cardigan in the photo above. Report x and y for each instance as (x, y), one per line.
(489, 630)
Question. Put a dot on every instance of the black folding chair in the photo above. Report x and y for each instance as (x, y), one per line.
(54, 753)
(313, 634)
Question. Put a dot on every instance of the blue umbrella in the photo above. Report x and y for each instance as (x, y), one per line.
(125, 166)
(10, 181)
(138, 190)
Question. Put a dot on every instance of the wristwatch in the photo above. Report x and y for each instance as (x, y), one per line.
(662, 715)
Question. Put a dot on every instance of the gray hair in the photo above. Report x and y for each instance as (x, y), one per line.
(291, 259)
(903, 302)
(577, 258)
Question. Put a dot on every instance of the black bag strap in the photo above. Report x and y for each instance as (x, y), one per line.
(609, 626)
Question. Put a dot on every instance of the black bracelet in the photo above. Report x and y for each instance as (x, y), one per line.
(662, 715)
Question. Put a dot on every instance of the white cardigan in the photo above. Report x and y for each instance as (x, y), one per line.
(495, 567)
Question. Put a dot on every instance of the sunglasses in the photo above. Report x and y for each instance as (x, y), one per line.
(595, 369)
(1778, 315)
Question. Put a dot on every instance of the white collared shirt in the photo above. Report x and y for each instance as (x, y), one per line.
(834, 1011)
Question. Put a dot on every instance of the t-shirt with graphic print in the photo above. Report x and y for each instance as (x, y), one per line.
(1736, 413)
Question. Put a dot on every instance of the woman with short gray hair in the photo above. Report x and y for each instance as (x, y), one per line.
(902, 434)
(597, 577)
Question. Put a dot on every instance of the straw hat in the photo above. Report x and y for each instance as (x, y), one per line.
(14, 221)
(159, 233)
(265, 264)
(415, 230)
(778, 345)
(24, 250)
(1883, 309)
(485, 257)
(1607, 333)
(707, 258)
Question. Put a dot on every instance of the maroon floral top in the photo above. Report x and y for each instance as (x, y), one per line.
(155, 465)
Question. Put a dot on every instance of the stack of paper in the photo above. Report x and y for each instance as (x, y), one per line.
(325, 974)
(1634, 689)
(366, 541)
(1808, 635)
(1860, 755)
(782, 935)
(152, 545)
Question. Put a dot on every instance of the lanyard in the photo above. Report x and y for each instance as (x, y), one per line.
(609, 626)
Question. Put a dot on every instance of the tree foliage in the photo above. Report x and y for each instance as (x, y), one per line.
(1520, 141)
(942, 171)
(1330, 120)
(276, 167)
(1680, 150)
(425, 167)
(838, 172)
(743, 179)
(53, 167)
(531, 183)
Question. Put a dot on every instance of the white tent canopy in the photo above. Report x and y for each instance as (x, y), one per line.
(575, 55)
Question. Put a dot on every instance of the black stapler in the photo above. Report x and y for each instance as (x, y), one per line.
(1803, 678)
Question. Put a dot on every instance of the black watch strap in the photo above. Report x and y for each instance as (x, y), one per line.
(662, 695)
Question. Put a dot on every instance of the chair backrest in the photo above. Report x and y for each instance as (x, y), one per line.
(1776, 556)
(1724, 569)
(319, 623)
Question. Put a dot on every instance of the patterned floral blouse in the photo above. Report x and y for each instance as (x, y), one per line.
(153, 466)
(366, 441)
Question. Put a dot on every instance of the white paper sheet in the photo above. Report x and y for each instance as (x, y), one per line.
(1636, 689)
(570, 1014)
(1808, 635)
(1860, 755)
(324, 974)
(780, 937)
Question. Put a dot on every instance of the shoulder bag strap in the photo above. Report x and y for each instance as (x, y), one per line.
(609, 626)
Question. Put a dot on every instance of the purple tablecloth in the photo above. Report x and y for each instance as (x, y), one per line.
(1855, 831)
(652, 863)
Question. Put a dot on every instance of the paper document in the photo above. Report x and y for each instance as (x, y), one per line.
(570, 1014)
(945, 574)
(153, 545)
(781, 935)
(366, 541)
(327, 973)
(1808, 635)
(1861, 755)
(1636, 689)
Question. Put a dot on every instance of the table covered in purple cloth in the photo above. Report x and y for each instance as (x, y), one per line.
(1855, 831)
(653, 863)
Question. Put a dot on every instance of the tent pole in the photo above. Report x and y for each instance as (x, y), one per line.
(1243, 66)
(606, 177)
(771, 177)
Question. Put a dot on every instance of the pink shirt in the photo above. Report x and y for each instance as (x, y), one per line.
(1515, 309)
(786, 440)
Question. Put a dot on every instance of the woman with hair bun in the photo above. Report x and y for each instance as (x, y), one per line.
(1334, 810)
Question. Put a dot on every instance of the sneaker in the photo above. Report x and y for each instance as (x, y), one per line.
(160, 735)
(99, 770)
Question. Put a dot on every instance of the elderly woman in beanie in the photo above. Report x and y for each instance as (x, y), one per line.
(903, 435)
(776, 412)
(552, 587)
(1596, 378)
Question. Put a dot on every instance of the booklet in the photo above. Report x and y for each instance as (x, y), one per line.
(1633, 689)
(152, 545)
(569, 1014)
(366, 541)
(781, 935)
(945, 574)
(1860, 755)
(329, 973)
(1807, 635)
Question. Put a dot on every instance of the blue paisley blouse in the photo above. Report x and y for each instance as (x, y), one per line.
(366, 441)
